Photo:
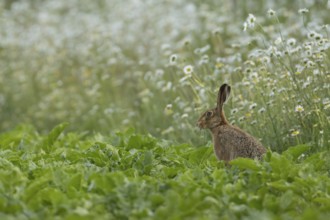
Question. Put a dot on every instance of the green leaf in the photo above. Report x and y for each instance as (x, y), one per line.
(147, 158)
(245, 163)
(280, 164)
(296, 151)
(51, 195)
(319, 160)
(36, 186)
(53, 136)
(156, 199)
(76, 181)
(280, 185)
(141, 142)
(19, 138)
(323, 201)
(286, 200)
(200, 154)
(170, 172)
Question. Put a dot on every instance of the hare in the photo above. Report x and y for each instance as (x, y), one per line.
(229, 141)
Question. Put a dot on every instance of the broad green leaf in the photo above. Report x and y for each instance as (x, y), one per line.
(10, 206)
(76, 181)
(319, 160)
(51, 138)
(296, 151)
(157, 199)
(148, 156)
(286, 200)
(51, 195)
(311, 214)
(170, 172)
(35, 186)
(245, 163)
(200, 154)
(280, 165)
(323, 201)
(280, 185)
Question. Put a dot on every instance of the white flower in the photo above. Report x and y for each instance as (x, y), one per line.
(299, 108)
(251, 20)
(252, 106)
(265, 59)
(233, 111)
(278, 41)
(303, 11)
(312, 34)
(301, 156)
(291, 42)
(188, 69)
(173, 59)
(241, 118)
(169, 106)
(262, 110)
(278, 53)
(185, 115)
(318, 37)
(245, 26)
(271, 12)
(310, 63)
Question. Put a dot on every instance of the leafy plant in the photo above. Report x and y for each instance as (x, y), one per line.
(111, 178)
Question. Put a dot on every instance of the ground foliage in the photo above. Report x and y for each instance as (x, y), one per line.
(132, 176)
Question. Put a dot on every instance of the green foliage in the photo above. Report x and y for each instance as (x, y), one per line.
(133, 176)
(106, 66)
(52, 136)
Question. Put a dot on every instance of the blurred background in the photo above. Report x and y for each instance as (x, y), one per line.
(155, 66)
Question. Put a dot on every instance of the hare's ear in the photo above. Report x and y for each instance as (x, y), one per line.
(223, 95)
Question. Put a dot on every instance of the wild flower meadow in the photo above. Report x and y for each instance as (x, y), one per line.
(107, 66)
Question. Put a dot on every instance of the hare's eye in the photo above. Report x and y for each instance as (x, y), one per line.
(208, 114)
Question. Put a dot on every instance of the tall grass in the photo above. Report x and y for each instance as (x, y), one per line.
(106, 66)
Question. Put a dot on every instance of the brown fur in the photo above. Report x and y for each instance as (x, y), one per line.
(229, 141)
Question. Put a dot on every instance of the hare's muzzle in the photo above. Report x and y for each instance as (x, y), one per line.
(200, 124)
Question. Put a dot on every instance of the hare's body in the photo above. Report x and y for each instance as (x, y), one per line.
(229, 141)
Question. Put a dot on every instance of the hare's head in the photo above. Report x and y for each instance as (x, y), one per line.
(215, 117)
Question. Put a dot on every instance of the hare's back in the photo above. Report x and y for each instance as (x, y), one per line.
(239, 143)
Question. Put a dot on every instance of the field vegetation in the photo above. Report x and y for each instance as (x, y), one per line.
(130, 176)
(99, 102)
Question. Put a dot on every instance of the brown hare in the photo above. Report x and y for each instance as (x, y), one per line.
(229, 141)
